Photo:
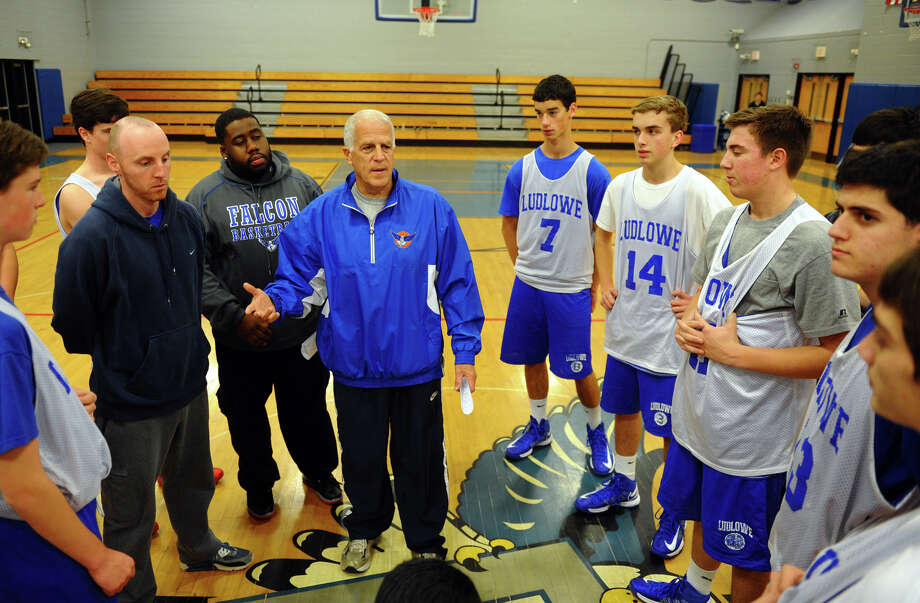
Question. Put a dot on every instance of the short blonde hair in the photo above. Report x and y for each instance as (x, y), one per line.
(672, 106)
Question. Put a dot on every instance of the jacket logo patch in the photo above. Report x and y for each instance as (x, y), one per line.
(402, 239)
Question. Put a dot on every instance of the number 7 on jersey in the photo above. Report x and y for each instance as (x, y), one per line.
(553, 225)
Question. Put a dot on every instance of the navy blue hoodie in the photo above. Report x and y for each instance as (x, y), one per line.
(129, 294)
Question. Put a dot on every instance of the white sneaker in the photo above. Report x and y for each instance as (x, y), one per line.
(357, 556)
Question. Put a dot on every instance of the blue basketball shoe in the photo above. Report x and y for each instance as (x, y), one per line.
(535, 434)
(669, 539)
(677, 590)
(600, 461)
(619, 490)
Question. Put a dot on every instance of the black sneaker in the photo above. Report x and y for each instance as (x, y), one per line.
(260, 504)
(327, 488)
(227, 558)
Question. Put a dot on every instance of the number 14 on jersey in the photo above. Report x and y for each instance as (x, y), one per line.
(652, 272)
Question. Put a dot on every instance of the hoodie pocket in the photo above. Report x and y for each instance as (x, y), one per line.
(175, 360)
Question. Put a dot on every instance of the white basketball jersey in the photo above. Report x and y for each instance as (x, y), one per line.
(832, 486)
(72, 450)
(555, 250)
(737, 421)
(80, 181)
(852, 570)
(651, 259)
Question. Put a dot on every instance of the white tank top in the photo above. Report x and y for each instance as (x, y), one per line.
(555, 249)
(651, 259)
(80, 181)
(72, 450)
(832, 487)
(737, 421)
(852, 570)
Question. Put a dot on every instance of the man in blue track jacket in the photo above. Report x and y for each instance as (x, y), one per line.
(376, 255)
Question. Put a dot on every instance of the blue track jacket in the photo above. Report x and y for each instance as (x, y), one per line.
(378, 288)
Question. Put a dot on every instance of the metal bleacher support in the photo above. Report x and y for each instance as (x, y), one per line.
(677, 81)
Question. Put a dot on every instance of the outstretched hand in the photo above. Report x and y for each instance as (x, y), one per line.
(261, 306)
(254, 330)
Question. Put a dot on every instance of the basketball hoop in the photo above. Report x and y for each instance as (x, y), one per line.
(912, 20)
(427, 17)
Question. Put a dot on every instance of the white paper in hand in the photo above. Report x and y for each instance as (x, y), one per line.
(466, 397)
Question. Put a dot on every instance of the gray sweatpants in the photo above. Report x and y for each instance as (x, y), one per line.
(176, 446)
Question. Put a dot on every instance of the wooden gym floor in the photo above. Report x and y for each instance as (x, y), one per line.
(512, 527)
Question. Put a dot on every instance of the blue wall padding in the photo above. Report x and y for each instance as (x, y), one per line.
(705, 110)
(863, 99)
(703, 138)
(51, 99)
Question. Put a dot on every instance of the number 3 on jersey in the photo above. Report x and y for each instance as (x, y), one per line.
(651, 272)
(798, 478)
(553, 225)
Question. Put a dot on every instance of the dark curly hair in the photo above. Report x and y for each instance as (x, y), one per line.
(894, 168)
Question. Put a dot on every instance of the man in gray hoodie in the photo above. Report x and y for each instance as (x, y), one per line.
(245, 205)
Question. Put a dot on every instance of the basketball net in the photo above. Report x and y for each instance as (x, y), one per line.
(912, 19)
(427, 17)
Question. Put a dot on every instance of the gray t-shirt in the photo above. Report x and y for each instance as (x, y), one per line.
(798, 277)
(370, 206)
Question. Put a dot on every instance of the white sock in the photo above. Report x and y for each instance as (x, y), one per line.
(593, 415)
(625, 465)
(700, 579)
(538, 409)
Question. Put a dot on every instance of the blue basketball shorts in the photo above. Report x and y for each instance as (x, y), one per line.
(736, 513)
(629, 390)
(542, 323)
(36, 570)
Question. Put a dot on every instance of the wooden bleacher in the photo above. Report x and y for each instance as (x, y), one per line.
(314, 106)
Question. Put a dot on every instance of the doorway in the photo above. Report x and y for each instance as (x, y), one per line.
(749, 84)
(822, 97)
(19, 94)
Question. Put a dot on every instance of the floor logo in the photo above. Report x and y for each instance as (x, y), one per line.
(512, 519)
